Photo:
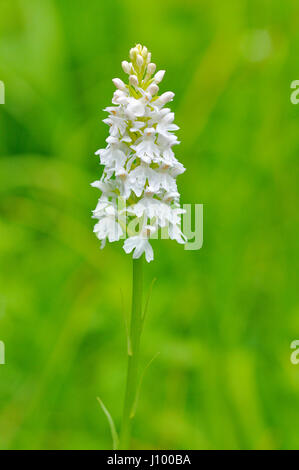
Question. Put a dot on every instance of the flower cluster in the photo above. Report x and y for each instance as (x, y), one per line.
(138, 184)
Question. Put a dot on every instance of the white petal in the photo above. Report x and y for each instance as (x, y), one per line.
(149, 253)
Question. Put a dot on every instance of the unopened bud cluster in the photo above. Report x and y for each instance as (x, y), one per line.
(139, 163)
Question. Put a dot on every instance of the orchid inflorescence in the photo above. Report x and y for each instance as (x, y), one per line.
(140, 168)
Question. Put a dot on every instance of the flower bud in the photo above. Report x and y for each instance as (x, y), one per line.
(153, 89)
(133, 53)
(133, 80)
(126, 67)
(118, 83)
(159, 76)
(166, 97)
(139, 60)
(149, 57)
(151, 68)
(144, 52)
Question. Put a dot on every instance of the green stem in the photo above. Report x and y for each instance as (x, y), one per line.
(133, 358)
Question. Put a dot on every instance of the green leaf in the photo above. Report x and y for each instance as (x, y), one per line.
(133, 412)
(114, 434)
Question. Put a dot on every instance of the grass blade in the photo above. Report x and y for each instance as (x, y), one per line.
(114, 434)
(140, 383)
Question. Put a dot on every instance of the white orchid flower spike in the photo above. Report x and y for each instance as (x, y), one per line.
(140, 168)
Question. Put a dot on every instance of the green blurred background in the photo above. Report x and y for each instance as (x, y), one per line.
(222, 317)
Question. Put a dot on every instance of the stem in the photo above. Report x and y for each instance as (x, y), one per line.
(133, 358)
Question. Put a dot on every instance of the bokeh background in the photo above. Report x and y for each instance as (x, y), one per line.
(222, 317)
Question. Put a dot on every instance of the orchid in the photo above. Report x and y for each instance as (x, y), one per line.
(139, 163)
(139, 194)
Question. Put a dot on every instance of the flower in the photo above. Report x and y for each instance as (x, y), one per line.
(138, 183)
(139, 245)
(107, 227)
(145, 147)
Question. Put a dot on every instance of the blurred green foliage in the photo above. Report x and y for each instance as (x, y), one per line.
(222, 317)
